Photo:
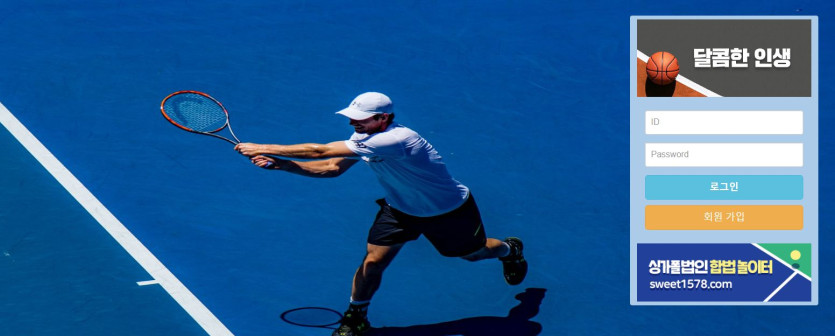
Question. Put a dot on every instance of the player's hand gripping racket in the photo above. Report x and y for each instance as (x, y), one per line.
(198, 112)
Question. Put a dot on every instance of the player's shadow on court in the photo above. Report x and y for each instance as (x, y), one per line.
(655, 90)
(517, 322)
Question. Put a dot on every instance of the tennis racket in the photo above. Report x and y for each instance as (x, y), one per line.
(199, 113)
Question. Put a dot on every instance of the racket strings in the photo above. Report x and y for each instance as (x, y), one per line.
(196, 112)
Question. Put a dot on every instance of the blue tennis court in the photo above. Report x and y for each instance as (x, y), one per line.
(114, 222)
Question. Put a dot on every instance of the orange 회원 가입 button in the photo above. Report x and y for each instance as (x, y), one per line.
(723, 217)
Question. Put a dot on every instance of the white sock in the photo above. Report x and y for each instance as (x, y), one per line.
(359, 303)
(508, 249)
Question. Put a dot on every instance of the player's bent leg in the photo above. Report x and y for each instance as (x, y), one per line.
(514, 265)
(493, 248)
(366, 281)
(370, 273)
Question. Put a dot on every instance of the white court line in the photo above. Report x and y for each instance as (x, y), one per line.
(148, 282)
(782, 261)
(780, 287)
(684, 80)
(796, 272)
(133, 246)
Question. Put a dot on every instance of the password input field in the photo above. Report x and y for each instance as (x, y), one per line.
(724, 154)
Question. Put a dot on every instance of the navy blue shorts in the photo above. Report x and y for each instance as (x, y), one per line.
(454, 234)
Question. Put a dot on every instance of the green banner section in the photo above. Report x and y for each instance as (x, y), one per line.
(799, 256)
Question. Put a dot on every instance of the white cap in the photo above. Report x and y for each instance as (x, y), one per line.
(367, 105)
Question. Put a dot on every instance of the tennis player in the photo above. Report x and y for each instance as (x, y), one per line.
(421, 197)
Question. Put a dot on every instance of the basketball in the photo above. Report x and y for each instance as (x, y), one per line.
(662, 68)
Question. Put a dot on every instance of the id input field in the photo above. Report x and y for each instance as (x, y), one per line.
(724, 122)
(724, 154)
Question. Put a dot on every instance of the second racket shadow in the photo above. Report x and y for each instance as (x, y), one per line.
(517, 322)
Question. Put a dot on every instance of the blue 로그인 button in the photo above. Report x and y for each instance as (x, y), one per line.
(724, 187)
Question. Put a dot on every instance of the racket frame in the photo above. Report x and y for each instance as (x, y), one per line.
(210, 133)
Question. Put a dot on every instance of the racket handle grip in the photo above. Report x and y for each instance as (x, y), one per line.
(269, 165)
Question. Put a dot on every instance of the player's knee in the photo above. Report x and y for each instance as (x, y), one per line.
(373, 266)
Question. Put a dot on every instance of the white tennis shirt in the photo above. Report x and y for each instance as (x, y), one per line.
(411, 171)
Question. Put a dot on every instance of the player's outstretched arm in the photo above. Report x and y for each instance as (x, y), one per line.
(332, 167)
(300, 151)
